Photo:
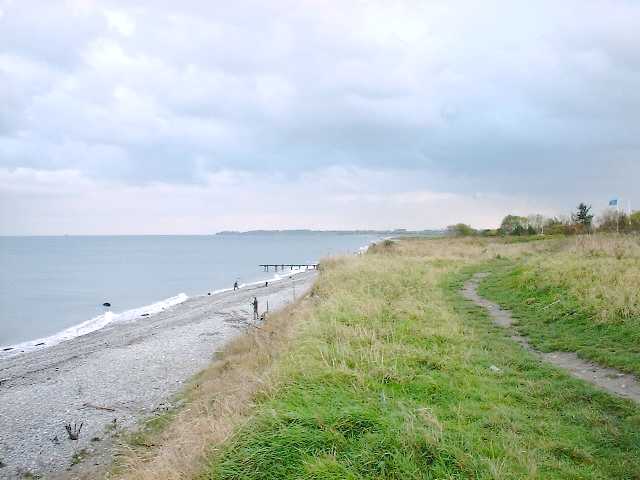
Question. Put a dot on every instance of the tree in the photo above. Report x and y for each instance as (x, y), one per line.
(634, 221)
(557, 226)
(461, 230)
(583, 216)
(536, 222)
(519, 230)
(614, 221)
(512, 224)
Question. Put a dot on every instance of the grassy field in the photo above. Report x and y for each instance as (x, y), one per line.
(386, 372)
(581, 296)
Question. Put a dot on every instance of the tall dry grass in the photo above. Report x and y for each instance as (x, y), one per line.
(470, 249)
(602, 271)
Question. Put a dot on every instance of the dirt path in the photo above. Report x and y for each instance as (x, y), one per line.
(609, 379)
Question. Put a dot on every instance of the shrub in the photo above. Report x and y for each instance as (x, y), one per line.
(513, 225)
(461, 230)
(634, 221)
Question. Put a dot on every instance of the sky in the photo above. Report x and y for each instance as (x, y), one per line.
(190, 117)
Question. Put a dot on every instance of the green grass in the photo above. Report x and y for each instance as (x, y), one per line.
(146, 434)
(392, 379)
(79, 456)
(556, 319)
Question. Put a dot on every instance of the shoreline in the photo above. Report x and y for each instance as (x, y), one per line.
(101, 321)
(112, 377)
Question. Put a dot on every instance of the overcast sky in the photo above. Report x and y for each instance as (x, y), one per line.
(194, 116)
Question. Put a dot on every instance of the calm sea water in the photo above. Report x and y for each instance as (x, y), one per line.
(48, 284)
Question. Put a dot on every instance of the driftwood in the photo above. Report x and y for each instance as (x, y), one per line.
(74, 432)
(98, 407)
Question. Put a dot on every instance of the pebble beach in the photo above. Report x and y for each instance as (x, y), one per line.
(109, 380)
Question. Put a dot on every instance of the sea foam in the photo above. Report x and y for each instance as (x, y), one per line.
(91, 325)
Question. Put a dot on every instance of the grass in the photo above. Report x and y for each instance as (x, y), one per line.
(386, 372)
(30, 476)
(392, 379)
(144, 437)
(582, 298)
(79, 456)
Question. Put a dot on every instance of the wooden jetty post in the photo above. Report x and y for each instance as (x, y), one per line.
(282, 266)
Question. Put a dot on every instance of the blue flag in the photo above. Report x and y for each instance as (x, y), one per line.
(613, 203)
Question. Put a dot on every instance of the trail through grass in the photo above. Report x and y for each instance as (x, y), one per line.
(396, 376)
(583, 298)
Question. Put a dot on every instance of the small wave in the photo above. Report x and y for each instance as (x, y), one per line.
(91, 325)
(136, 313)
(363, 249)
(275, 278)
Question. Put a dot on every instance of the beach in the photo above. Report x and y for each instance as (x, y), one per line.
(112, 378)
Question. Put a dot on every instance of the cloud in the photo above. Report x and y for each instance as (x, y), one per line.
(503, 100)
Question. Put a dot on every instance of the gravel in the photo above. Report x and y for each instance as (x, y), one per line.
(111, 378)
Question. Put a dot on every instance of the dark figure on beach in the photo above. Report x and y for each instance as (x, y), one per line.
(266, 284)
(235, 286)
(254, 303)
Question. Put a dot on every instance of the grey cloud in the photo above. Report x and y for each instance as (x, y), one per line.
(48, 32)
(482, 96)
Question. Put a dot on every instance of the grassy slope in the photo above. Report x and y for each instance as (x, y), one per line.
(390, 378)
(583, 298)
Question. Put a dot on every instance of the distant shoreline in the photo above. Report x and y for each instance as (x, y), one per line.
(334, 232)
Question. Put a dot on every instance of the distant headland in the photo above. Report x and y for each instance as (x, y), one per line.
(397, 232)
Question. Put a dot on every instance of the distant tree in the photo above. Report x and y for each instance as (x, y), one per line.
(519, 230)
(557, 226)
(634, 221)
(461, 230)
(512, 224)
(614, 221)
(536, 221)
(583, 216)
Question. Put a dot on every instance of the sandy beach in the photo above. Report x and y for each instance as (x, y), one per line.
(112, 378)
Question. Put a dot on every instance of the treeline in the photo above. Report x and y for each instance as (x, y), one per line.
(580, 221)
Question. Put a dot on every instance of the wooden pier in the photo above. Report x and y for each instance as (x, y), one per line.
(291, 266)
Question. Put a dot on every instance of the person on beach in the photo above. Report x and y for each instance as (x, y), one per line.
(235, 286)
(254, 303)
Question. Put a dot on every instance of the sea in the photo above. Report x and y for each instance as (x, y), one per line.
(54, 288)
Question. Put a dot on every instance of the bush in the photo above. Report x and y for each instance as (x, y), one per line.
(634, 221)
(461, 230)
(615, 221)
(513, 225)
